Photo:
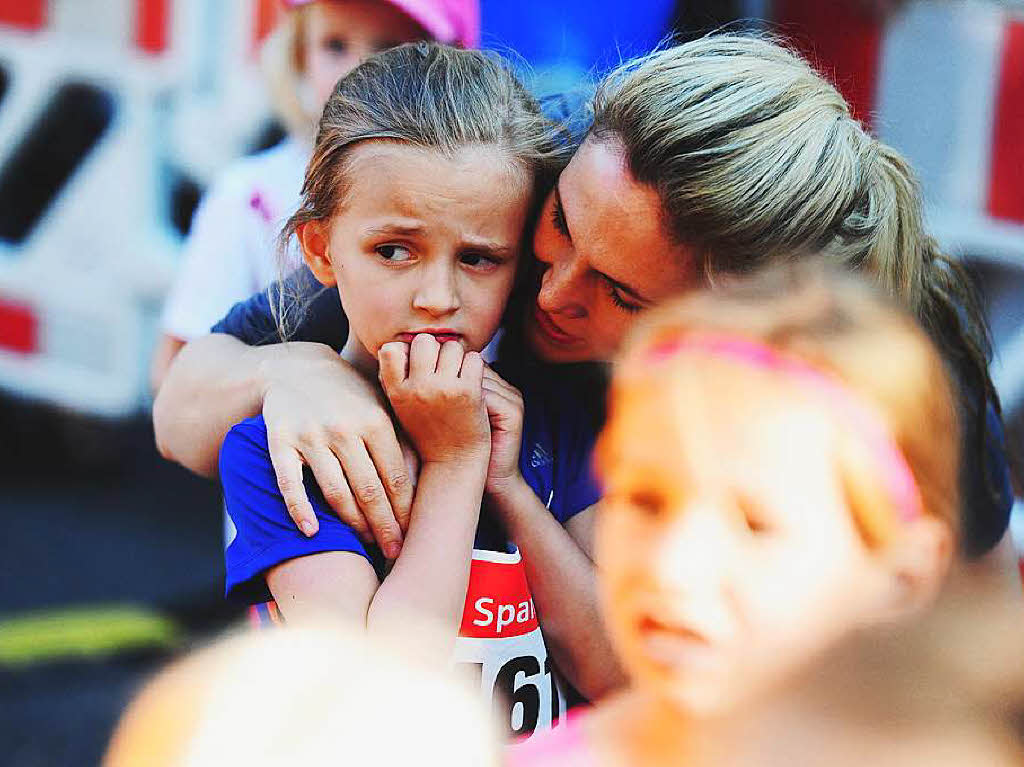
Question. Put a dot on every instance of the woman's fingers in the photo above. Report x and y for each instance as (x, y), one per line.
(386, 453)
(335, 489)
(368, 490)
(288, 469)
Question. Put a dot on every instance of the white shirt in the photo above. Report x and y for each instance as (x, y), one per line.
(231, 251)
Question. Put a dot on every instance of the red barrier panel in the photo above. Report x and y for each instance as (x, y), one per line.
(842, 41)
(27, 14)
(1006, 184)
(152, 20)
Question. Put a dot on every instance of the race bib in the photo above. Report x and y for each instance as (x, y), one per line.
(500, 642)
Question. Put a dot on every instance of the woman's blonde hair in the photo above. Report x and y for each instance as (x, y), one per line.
(837, 324)
(431, 96)
(758, 160)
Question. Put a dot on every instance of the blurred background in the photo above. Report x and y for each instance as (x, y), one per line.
(116, 115)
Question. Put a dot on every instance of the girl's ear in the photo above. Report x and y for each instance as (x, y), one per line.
(314, 240)
(917, 563)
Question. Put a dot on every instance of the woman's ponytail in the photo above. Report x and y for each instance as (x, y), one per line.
(938, 288)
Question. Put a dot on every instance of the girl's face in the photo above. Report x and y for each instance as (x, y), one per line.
(727, 551)
(423, 242)
(341, 33)
(605, 255)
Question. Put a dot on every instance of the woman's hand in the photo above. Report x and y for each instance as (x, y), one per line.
(322, 413)
(505, 411)
(436, 393)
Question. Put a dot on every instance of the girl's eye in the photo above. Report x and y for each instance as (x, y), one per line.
(648, 503)
(753, 516)
(336, 45)
(619, 301)
(394, 253)
(478, 260)
(558, 218)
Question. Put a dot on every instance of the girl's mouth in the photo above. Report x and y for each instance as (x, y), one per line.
(440, 335)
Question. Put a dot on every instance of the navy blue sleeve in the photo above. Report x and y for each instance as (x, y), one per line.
(323, 321)
(265, 534)
(556, 458)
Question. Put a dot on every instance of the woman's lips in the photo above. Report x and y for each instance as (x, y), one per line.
(551, 331)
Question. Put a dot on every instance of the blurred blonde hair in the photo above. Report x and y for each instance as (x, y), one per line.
(758, 160)
(839, 325)
(316, 695)
(282, 59)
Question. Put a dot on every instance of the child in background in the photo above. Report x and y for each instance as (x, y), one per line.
(231, 249)
(779, 470)
(428, 166)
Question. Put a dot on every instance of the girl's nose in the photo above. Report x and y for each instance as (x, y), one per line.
(561, 287)
(437, 294)
(693, 550)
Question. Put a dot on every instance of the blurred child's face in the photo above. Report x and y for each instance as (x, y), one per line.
(341, 33)
(423, 242)
(727, 552)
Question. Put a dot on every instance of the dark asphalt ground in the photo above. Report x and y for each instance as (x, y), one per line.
(91, 515)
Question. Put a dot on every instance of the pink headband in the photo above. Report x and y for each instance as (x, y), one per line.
(856, 413)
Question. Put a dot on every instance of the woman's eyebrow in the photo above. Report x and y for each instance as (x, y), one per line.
(561, 209)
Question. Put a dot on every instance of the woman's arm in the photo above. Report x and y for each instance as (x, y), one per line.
(558, 562)
(319, 413)
(564, 585)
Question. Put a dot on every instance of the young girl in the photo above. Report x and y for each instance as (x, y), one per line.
(427, 166)
(780, 469)
(230, 249)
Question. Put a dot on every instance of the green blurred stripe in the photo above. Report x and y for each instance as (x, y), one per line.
(83, 632)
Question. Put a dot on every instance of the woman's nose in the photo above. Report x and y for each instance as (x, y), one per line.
(561, 288)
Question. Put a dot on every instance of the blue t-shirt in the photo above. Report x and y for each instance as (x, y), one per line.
(555, 461)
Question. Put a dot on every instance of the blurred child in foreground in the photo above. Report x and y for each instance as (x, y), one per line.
(780, 471)
(258, 700)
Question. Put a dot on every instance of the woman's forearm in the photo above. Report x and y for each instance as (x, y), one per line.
(564, 586)
(428, 581)
(213, 383)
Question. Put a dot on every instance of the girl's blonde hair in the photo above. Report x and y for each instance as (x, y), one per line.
(758, 160)
(838, 325)
(430, 96)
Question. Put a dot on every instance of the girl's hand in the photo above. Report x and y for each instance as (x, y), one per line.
(505, 411)
(437, 395)
(321, 413)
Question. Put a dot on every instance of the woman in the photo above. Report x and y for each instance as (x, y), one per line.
(703, 160)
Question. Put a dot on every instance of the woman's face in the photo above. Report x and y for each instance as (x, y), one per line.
(604, 254)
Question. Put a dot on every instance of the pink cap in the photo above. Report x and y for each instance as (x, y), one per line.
(447, 21)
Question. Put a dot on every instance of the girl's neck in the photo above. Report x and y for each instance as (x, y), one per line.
(355, 354)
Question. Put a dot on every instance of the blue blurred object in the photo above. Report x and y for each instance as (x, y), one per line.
(565, 41)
